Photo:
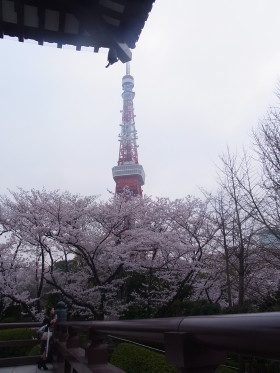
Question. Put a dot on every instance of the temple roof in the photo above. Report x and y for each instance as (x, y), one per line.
(112, 24)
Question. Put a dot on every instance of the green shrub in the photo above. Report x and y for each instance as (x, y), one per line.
(137, 359)
(16, 334)
(35, 350)
(225, 369)
(9, 319)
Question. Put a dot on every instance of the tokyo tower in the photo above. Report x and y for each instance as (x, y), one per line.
(128, 173)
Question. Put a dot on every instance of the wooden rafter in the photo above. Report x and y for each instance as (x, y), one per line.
(19, 8)
(1, 19)
(112, 24)
(41, 24)
(61, 26)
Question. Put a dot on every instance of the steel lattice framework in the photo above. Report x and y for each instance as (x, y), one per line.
(129, 173)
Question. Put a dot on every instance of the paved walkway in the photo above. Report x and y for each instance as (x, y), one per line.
(26, 369)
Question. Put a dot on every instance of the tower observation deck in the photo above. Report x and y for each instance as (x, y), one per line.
(128, 173)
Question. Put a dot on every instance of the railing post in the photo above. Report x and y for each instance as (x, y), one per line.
(241, 364)
(60, 335)
(189, 356)
(73, 340)
(97, 355)
(61, 332)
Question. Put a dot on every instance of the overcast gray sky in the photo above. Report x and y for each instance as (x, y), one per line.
(205, 72)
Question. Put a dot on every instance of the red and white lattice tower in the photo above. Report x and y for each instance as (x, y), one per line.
(128, 173)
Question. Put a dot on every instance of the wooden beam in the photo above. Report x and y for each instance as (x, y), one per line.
(92, 21)
(110, 13)
(61, 26)
(19, 8)
(118, 32)
(18, 361)
(80, 37)
(19, 342)
(123, 52)
(1, 20)
(41, 23)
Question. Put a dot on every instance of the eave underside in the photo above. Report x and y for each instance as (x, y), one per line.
(115, 25)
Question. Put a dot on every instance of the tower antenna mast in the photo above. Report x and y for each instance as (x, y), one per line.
(127, 68)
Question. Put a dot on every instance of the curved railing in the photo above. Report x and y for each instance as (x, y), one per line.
(192, 344)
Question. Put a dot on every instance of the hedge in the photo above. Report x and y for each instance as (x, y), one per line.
(16, 334)
(136, 359)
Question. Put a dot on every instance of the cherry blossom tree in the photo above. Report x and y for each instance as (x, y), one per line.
(194, 229)
(17, 278)
(128, 254)
(102, 245)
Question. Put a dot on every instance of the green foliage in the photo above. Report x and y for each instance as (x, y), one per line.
(252, 364)
(11, 314)
(271, 303)
(262, 365)
(203, 307)
(16, 334)
(187, 307)
(51, 300)
(249, 306)
(225, 369)
(69, 265)
(35, 350)
(144, 284)
(147, 307)
(137, 359)
(197, 308)
(135, 311)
